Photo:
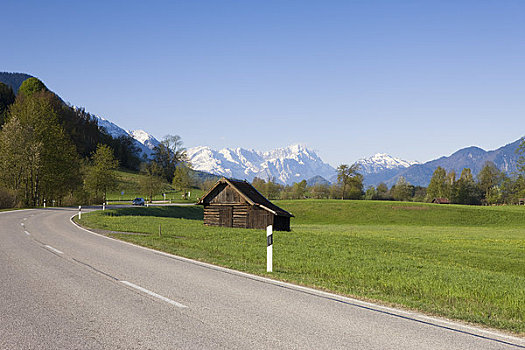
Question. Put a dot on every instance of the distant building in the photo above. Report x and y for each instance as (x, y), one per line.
(234, 203)
(521, 201)
(441, 201)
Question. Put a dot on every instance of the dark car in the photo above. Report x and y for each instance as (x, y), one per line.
(138, 201)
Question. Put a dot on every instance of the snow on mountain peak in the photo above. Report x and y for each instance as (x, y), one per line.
(140, 135)
(144, 138)
(382, 161)
(144, 141)
(285, 165)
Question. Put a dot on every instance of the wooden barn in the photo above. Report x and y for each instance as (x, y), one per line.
(234, 203)
(441, 201)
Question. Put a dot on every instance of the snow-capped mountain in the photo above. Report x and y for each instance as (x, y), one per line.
(380, 167)
(504, 158)
(285, 165)
(144, 141)
(144, 138)
(381, 161)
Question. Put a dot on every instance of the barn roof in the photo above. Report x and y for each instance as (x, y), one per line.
(250, 194)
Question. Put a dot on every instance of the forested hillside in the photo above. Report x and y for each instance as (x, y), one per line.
(14, 80)
(45, 144)
(51, 151)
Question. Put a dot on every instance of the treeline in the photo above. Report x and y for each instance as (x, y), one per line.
(490, 187)
(46, 147)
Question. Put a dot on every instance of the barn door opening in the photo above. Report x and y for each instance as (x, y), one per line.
(226, 216)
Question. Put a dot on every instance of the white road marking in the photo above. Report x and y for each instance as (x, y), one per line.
(22, 223)
(415, 315)
(172, 302)
(27, 233)
(54, 249)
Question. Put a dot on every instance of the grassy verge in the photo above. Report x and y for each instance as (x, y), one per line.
(11, 209)
(466, 263)
(129, 188)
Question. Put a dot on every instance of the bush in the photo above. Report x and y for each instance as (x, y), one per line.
(7, 198)
(78, 197)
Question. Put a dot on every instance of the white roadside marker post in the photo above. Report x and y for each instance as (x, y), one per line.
(104, 206)
(79, 212)
(44, 203)
(269, 245)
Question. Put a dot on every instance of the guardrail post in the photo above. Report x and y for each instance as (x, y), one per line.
(269, 245)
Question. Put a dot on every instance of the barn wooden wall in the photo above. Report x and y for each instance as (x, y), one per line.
(226, 215)
(239, 215)
(227, 196)
(228, 208)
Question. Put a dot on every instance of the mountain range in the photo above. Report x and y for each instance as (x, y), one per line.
(380, 167)
(284, 165)
(14, 80)
(288, 165)
(143, 141)
(296, 162)
(505, 158)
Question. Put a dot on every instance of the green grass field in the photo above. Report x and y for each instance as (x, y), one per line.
(461, 262)
(129, 183)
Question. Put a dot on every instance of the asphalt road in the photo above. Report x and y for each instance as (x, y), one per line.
(62, 287)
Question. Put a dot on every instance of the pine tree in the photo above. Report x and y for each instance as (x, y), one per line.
(7, 97)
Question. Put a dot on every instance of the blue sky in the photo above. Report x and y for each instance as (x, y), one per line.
(415, 79)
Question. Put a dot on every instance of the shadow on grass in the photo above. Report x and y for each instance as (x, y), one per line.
(186, 212)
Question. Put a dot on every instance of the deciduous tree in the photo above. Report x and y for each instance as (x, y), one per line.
(382, 191)
(20, 160)
(370, 193)
(347, 176)
(272, 189)
(168, 154)
(181, 178)
(58, 172)
(299, 189)
(438, 187)
(101, 177)
(467, 191)
(31, 86)
(401, 191)
(488, 178)
(320, 191)
(152, 181)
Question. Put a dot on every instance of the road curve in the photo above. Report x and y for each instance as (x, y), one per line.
(62, 287)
